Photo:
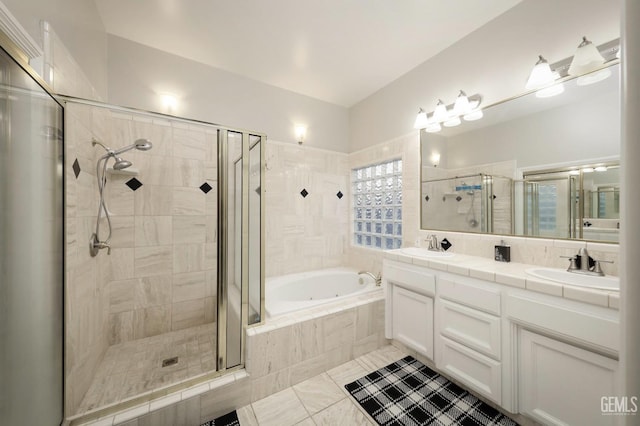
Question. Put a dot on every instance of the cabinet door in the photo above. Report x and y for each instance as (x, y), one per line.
(563, 384)
(413, 320)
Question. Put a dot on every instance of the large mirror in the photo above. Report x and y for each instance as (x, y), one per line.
(532, 166)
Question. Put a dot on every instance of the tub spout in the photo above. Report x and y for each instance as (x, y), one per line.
(377, 279)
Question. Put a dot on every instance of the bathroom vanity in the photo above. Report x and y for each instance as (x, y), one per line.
(536, 347)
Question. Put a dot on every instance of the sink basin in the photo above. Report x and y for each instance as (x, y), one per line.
(423, 252)
(574, 278)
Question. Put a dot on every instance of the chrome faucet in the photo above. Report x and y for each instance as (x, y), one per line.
(585, 267)
(377, 279)
(434, 245)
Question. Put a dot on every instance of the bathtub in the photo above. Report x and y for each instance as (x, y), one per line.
(289, 293)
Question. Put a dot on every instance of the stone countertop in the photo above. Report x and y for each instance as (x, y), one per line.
(512, 274)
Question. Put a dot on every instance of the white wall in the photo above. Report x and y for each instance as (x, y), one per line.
(79, 26)
(494, 61)
(138, 75)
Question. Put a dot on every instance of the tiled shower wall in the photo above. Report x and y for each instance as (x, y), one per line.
(305, 233)
(161, 274)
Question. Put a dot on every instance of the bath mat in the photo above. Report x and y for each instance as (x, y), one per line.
(229, 419)
(407, 392)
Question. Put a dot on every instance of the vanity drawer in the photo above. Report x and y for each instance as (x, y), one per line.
(480, 373)
(475, 329)
(470, 292)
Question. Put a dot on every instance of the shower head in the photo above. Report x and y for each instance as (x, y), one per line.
(121, 164)
(141, 144)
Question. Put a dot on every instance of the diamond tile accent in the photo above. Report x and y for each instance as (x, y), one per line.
(340, 194)
(426, 198)
(258, 190)
(205, 187)
(76, 168)
(133, 183)
(304, 193)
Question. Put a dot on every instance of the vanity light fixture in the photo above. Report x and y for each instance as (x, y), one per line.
(474, 115)
(541, 75)
(586, 59)
(465, 107)
(462, 105)
(574, 172)
(588, 170)
(600, 169)
(553, 90)
(301, 132)
(440, 114)
(421, 120)
(452, 122)
(433, 128)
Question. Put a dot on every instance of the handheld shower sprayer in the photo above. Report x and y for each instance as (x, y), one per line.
(95, 244)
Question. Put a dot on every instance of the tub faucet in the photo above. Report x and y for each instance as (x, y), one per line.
(377, 279)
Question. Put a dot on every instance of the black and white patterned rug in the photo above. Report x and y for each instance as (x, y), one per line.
(407, 392)
(229, 419)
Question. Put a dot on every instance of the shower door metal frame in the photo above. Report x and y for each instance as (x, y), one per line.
(223, 234)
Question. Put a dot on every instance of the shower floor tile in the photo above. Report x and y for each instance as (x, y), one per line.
(132, 368)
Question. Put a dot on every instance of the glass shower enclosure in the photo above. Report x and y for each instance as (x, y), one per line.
(31, 248)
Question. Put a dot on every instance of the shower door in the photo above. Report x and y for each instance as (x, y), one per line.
(240, 251)
(31, 250)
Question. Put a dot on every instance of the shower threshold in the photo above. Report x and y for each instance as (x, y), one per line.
(134, 368)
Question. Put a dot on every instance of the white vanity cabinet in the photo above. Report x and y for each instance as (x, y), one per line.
(409, 306)
(548, 357)
(468, 342)
(566, 357)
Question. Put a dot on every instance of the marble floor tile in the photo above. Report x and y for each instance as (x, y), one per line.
(305, 422)
(341, 413)
(246, 417)
(280, 409)
(380, 358)
(318, 393)
(347, 373)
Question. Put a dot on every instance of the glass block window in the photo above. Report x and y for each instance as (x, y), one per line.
(377, 205)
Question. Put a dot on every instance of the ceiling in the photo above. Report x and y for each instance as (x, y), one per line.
(338, 51)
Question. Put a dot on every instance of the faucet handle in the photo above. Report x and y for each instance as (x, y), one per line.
(572, 262)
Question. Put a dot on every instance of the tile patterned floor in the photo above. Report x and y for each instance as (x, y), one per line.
(135, 367)
(321, 400)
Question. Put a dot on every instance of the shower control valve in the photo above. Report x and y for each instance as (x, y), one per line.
(95, 245)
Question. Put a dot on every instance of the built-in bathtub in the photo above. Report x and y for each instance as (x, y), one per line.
(295, 292)
(315, 322)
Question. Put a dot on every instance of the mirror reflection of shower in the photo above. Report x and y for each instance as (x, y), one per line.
(95, 244)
